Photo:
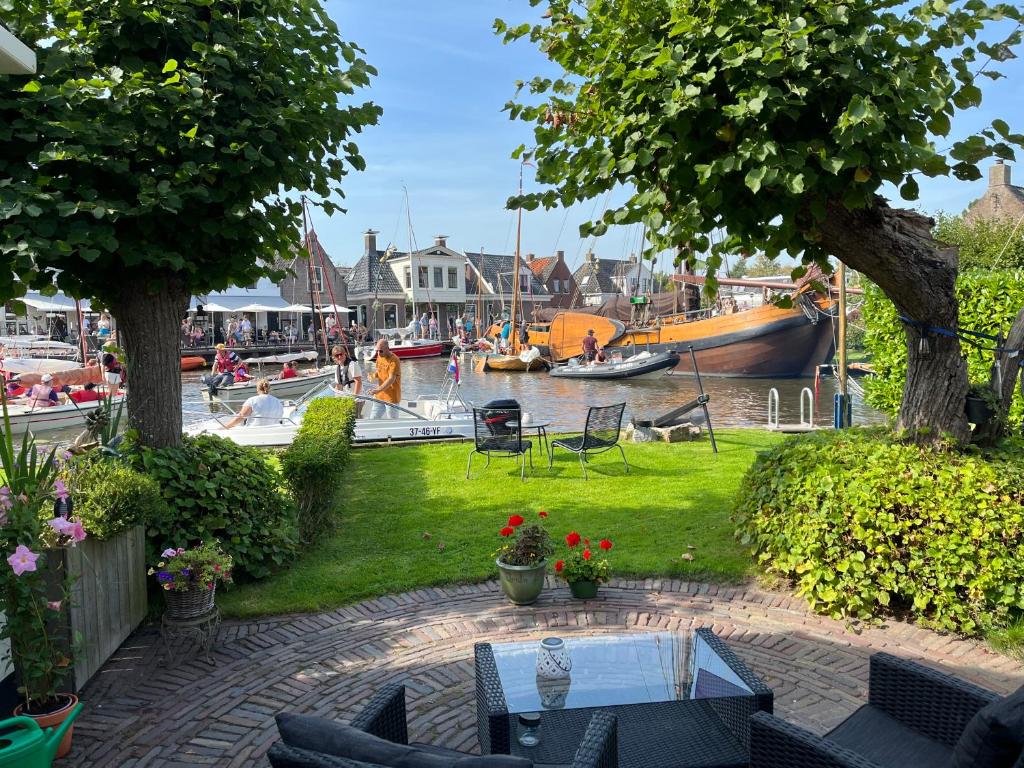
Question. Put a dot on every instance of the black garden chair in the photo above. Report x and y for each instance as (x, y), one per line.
(500, 431)
(601, 433)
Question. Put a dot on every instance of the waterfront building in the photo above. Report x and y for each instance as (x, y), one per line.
(489, 286)
(555, 275)
(602, 279)
(433, 280)
(1001, 201)
(373, 290)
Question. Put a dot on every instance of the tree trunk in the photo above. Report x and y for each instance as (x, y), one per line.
(895, 249)
(1004, 381)
(148, 311)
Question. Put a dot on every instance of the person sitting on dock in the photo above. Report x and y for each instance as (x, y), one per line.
(288, 371)
(589, 346)
(262, 409)
(388, 376)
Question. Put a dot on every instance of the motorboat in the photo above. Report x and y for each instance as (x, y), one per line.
(526, 361)
(38, 347)
(641, 366)
(71, 415)
(293, 388)
(403, 344)
(428, 417)
(192, 362)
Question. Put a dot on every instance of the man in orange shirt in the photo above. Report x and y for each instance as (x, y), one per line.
(388, 375)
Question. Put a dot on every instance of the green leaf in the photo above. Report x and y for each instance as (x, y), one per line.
(175, 78)
(754, 177)
(32, 86)
(191, 132)
(910, 189)
(170, 66)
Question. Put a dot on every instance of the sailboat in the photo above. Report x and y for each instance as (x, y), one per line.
(521, 359)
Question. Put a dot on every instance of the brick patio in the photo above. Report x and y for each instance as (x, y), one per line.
(139, 713)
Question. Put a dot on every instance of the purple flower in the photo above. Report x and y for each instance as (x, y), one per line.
(185, 571)
(61, 525)
(59, 489)
(164, 576)
(169, 552)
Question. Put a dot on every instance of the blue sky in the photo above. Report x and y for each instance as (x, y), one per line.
(444, 78)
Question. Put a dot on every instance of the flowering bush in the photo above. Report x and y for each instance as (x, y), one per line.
(580, 564)
(200, 567)
(525, 543)
(35, 606)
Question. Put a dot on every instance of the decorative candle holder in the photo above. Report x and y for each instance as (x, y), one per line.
(553, 662)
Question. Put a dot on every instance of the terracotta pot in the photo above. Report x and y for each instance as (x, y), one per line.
(54, 719)
(583, 590)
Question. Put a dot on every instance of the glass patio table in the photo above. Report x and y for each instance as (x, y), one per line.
(681, 699)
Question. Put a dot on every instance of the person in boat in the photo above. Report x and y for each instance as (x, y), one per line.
(524, 334)
(14, 389)
(260, 410)
(113, 371)
(86, 394)
(43, 395)
(589, 346)
(506, 330)
(388, 375)
(600, 356)
(288, 371)
(241, 374)
(348, 376)
(223, 372)
(469, 326)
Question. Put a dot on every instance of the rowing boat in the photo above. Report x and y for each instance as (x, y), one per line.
(641, 366)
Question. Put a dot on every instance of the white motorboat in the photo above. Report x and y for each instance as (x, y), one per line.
(641, 366)
(37, 346)
(293, 388)
(25, 418)
(428, 417)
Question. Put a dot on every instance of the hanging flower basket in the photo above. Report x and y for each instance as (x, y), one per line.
(191, 603)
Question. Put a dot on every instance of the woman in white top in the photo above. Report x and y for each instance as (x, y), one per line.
(260, 410)
(348, 376)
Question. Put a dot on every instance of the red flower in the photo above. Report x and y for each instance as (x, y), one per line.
(586, 542)
(515, 521)
(507, 531)
(572, 539)
(605, 544)
(586, 554)
(559, 566)
(542, 513)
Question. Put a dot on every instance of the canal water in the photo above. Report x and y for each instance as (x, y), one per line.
(564, 402)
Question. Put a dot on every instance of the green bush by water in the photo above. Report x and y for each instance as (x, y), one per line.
(217, 490)
(866, 525)
(110, 496)
(314, 464)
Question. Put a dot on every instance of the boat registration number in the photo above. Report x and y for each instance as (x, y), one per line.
(424, 431)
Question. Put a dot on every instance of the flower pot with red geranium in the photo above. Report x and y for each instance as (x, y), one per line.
(583, 568)
(522, 558)
(189, 579)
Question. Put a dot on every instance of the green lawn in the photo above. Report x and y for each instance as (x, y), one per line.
(411, 519)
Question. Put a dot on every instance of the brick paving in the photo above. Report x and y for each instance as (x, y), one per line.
(141, 713)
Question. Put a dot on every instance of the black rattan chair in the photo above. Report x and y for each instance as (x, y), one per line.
(600, 434)
(384, 716)
(914, 718)
(499, 431)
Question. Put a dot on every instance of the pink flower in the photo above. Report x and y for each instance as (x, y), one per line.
(77, 532)
(60, 490)
(23, 560)
(54, 605)
(169, 552)
(61, 525)
(5, 498)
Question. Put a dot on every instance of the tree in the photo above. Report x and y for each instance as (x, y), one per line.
(985, 243)
(154, 154)
(778, 122)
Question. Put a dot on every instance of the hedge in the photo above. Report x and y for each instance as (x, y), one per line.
(864, 525)
(110, 496)
(989, 302)
(217, 490)
(314, 464)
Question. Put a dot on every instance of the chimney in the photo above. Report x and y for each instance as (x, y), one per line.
(529, 258)
(589, 256)
(560, 256)
(441, 240)
(632, 258)
(999, 175)
(370, 241)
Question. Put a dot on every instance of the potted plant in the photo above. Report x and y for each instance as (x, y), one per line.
(522, 558)
(33, 590)
(189, 579)
(581, 569)
(981, 405)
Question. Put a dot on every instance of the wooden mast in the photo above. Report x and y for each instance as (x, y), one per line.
(513, 323)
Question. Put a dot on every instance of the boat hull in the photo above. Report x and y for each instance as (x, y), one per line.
(653, 367)
(512, 364)
(50, 419)
(406, 351)
(192, 363)
(282, 388)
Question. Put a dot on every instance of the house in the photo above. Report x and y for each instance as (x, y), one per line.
(555, 275)
(301, 282)
(433, 280)
(1001, 200)
(602, 279)
(373, 289)
(489, 286)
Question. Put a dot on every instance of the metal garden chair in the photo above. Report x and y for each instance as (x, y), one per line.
(601, 433)
(500, 431)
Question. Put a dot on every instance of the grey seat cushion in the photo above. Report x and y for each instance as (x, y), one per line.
(283, 756)
(871, 733)
(994, 738)
(328, 737)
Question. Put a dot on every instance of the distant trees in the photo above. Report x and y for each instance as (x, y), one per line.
(983, 244)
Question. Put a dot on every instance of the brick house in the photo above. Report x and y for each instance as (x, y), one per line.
(602, 279)
(298, 283)
(1001, 200)
(555, 275)
(374, 292)
(489, 286)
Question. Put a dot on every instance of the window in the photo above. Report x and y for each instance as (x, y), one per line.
(438, 277)
(422, 277)
(315, 280)
(453, 277)
(524, 282)
(390, 315)
(408, 277)
(565, 287)
(556, 286)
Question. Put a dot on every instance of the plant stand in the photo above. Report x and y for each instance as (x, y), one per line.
(196, 633)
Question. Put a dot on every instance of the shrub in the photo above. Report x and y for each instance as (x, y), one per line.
(314, 464)
(110, 496)
(865, 524)
(216, 489)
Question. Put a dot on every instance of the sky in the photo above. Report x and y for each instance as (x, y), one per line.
(444, 78)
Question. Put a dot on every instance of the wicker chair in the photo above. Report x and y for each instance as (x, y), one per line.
(500, 431)
(601, 433)
(384, 716)
(914, 717)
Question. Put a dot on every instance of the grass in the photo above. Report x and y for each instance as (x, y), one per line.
(1010, 639)
(411, 519)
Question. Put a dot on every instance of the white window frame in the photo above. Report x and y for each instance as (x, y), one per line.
(453, 278)
(316, 275)
(438, 277)
(408, 277)
(423, 276)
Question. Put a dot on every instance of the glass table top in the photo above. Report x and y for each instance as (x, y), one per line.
(612, 670)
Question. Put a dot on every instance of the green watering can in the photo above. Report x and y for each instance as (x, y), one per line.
(23, 744)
